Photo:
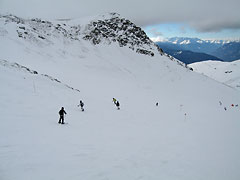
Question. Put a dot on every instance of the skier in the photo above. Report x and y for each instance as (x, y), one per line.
(220, 103)
(61, 113)
(157, 104)
(81, 105)
(114, 101)
(117, 104)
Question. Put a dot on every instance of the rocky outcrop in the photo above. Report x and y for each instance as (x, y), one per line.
(120, 30)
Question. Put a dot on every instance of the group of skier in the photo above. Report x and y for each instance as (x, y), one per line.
(225, 108)
(117, 104)
(81, 104)
(62, 112)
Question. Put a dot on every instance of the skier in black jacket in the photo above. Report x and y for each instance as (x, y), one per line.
(81, 104)
(61, 113)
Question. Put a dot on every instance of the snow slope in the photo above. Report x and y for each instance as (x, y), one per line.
(188, 136)
(225, 72)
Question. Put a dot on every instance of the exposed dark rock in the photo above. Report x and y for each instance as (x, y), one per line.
(41, 37)
(121, 30)
(21, 27)
(146, 52)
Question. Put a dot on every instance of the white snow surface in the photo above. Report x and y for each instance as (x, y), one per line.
(189, 136)
(185, 42)
(225, 72)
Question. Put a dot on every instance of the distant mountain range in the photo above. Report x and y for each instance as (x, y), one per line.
(189, 57)
(229, 51)
(190, 50)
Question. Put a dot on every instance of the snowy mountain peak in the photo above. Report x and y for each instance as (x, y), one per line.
(117, 29)
(104, 29)
(188, 40)
(226, 50)
(182, 40)
(107, 29)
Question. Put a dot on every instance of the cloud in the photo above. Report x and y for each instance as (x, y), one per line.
(216, 25)
(203, 15)
(155, 32)
(158, 39)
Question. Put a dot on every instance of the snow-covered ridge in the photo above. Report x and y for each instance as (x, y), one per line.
(40, 32)
(105, 29)
(25, 69)
(225, 72)
(102, 29)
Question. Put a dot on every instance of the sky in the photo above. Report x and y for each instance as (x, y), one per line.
(205, 19)
(160, 32)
